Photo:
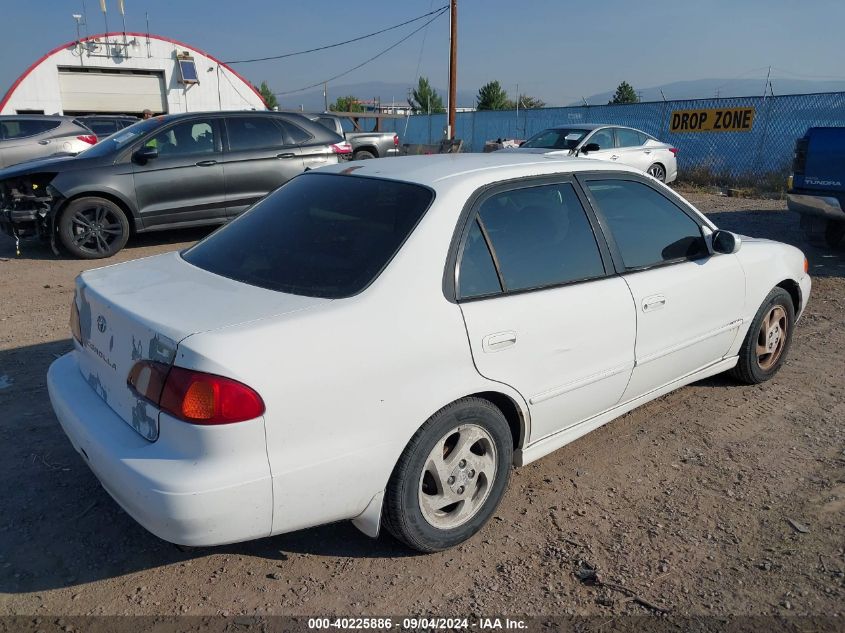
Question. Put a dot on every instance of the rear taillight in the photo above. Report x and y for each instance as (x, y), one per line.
(344, 147)
(194, 396)
(74, 321)
(87, 138)
(395, 140)
(674, 151)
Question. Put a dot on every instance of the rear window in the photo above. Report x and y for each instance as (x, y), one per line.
(320, 235)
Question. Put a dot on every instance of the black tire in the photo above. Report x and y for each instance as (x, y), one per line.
(93, 228)
(402, 514)
(658, 171)
(363, 154)
(834, 231)
(753, 368)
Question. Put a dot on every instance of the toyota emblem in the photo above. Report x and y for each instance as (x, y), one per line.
(101, 323)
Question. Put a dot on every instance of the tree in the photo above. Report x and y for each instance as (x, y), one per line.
(425, 99)
(346, 104)
(625, 93)
(492, 96)
(268, 96)
(527, 102)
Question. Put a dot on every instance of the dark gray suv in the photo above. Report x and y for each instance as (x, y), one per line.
(169, 171)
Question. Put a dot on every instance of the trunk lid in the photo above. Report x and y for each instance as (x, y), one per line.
(141, 310)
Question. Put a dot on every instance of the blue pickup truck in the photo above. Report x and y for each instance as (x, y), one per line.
(816, 188)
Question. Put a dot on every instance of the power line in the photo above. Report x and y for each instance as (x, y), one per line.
(373, 58)
(356, 39)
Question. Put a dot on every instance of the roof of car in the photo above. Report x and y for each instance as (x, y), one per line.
(40, 117)
(494, 166)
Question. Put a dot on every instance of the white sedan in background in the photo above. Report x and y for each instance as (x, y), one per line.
(383, 342)
(615, 143)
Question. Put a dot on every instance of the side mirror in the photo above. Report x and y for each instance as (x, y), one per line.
(144, 154)
(590, 147)
(725, 242)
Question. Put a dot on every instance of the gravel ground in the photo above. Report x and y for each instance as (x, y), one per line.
(716, 499)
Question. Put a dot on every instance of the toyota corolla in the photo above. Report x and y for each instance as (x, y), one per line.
(383, 342)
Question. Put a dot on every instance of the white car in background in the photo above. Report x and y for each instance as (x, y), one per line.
(382, 342)
(623, 145)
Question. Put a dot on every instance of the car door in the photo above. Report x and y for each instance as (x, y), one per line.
(184, 182)
(542, 310)
(26, 139)
(603, 137)
(259, 157)
(631, 149)
(688, 301)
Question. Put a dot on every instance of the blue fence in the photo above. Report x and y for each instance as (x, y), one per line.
(763, 150)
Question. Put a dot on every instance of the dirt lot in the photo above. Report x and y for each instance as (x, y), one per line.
(685, 502)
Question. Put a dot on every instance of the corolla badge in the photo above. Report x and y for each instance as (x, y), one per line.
(101, 323)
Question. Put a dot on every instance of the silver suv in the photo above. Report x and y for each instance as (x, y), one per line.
(24, 137)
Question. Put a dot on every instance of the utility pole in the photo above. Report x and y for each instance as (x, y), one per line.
(453, 68)
(325, 96)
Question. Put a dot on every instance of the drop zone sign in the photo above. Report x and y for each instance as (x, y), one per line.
(712, 120)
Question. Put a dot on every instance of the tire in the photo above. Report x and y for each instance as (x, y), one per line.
(834, 231)
(93, 228)
(471, 440)
(657, 171)
(363, 154)
(765, 348)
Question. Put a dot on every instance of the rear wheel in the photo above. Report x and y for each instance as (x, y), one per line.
(363, 154)
(451, 476)
(768, 339)
(657, 171)
(93, 228)
(834, 231)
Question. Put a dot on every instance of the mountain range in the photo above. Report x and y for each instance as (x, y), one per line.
(389, 92)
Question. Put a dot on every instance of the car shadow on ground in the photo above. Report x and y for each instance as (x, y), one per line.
(35, 249)
(59, 528)
(783, 226)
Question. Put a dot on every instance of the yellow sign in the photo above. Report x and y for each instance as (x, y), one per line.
(713, 120)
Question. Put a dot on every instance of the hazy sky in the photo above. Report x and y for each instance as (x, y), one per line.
(558, 50)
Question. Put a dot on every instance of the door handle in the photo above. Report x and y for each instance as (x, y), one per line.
(654, 302)
(614, 157)
(286, 155)
(44, 142)
(206, 163)
(498, 341)
(646, 151)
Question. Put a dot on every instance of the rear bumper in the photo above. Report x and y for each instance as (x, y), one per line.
(194, 486)
(817, 205)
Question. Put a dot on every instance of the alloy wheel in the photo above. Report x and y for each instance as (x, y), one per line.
(95, 229)
(457, 476)
(658, 172)
(771, 338)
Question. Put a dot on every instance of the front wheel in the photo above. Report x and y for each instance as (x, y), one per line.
(93, 228)
(768, 340)
(657, 171)
(450, 477)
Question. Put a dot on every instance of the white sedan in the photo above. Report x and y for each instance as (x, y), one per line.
(616, 143)
(383, 342)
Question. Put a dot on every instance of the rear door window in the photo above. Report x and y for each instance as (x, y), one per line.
(540, 236)
(628, 138)
(257, 132)
(648, 228)
(320, 235)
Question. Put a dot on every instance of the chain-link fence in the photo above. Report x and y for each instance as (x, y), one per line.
(759, 153)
